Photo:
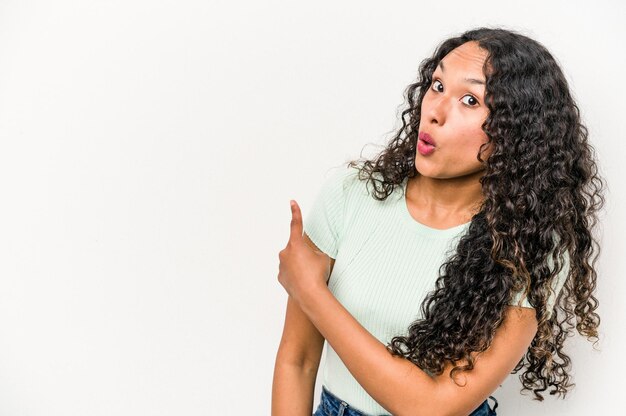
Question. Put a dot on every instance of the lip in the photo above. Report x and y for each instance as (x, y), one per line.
(424, 149)
(425, 137)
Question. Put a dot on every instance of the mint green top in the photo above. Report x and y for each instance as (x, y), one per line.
(386, 262)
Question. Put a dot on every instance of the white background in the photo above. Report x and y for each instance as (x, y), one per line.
(148, 153)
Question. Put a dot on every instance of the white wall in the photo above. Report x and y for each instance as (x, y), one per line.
(148, 153)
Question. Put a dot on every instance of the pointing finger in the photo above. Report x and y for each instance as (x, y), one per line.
(296, 222)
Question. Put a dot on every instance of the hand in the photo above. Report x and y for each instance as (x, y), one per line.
(302, 269)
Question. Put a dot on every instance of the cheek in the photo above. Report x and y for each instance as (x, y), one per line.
(471, 147)
(478, 138)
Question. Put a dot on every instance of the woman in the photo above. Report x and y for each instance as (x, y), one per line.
(461, 254)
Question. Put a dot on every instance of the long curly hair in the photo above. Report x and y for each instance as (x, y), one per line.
(540, 182)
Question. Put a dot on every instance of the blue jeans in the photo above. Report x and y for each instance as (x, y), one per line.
(331, 405)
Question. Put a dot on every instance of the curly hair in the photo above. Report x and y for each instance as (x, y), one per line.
(540, 182)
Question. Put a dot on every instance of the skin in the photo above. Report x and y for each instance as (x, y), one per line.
(449, 183)
(447, 192)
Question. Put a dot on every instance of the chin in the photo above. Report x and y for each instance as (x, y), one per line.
(426, 169)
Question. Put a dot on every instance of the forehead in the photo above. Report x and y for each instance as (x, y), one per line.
(468, 58)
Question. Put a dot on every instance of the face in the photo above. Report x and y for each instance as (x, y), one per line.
(453, 111)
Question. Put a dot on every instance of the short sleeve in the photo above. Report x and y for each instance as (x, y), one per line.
(323, 222)
(557, 285)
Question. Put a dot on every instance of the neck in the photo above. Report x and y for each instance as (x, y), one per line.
(441, 198)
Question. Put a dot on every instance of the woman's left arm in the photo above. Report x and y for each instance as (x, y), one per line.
(399, 385)
(396, 383)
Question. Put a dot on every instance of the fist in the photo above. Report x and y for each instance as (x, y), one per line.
(302, 269)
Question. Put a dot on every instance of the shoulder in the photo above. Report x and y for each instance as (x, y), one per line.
(344, 176)
(340, 182)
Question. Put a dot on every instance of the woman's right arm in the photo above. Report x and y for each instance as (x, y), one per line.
(297, 361)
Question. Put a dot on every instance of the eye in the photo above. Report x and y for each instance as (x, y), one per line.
(472, 102)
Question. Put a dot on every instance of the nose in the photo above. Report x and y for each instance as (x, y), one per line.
(437, 109)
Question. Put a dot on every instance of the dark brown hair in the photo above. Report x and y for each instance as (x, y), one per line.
(540, 182)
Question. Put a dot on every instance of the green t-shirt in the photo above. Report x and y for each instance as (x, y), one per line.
(386, 262)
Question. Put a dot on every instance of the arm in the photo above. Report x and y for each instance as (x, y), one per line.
(297, 361)
(400, 386)
(295, 369)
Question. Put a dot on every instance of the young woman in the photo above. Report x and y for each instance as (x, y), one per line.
(461, 254)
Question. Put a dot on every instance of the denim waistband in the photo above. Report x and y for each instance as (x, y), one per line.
(334, 406)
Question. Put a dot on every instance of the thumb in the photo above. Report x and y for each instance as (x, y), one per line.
(296, 223)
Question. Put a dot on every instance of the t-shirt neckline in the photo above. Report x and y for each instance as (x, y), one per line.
(417, 226)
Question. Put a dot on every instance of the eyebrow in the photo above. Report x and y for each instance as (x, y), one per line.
(467, 80)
